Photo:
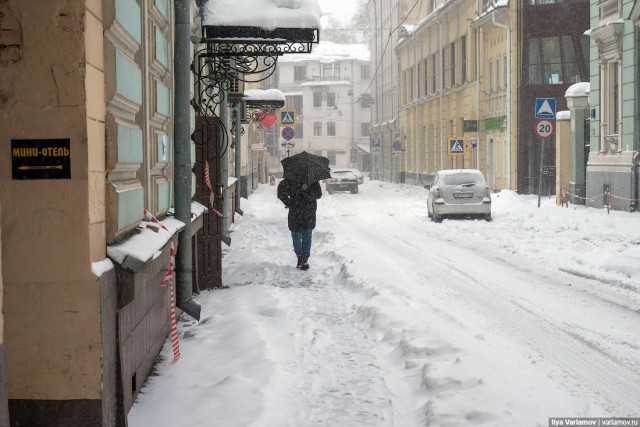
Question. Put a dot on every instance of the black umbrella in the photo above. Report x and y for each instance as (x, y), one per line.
(306, 168)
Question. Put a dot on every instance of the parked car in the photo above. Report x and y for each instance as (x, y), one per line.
(359, 174)
(459, 192)
(342, 180)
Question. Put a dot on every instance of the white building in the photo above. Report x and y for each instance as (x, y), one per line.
(328, 89)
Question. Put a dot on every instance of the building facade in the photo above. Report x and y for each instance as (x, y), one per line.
(385, 17)
(471, 72)
(611, 173)
(456, 103)
(87, 122)
(327, 91)
(553, 56)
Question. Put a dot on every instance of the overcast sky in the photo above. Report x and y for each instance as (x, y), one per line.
(342, 9)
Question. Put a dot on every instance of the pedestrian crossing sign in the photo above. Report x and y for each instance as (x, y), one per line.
(546, 108)
(287, 117)
(457, 146)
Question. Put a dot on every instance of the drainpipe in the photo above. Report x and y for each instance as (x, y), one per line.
(182, 166)
(478, 115)
(238, 152)
(415, 54)
(441, 93)
(635, 161)
(224, 167)
(508, 132)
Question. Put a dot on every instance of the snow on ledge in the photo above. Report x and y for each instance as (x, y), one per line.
(263, 95)
(146, 245)
(578, 89)
(265, 14)
(98, 268)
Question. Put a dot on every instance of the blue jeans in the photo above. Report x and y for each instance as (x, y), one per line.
(302, 242)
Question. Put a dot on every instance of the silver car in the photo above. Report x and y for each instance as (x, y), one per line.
(459, 192)
(342, 180)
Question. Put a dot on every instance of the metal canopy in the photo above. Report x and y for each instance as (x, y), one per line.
(232, 55)
(226, 40)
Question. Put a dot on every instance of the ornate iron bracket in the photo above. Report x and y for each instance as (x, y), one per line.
(231, 56)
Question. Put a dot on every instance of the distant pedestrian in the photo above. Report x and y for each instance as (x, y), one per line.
(301, 200)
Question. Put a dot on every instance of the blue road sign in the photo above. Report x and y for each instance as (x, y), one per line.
(456, 146)
(288, 133)
(546, 108)
(375, 143)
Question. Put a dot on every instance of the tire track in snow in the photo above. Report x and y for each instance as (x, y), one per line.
(606, 378)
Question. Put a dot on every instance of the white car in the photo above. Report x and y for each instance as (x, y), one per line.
(342, 180)
(459, 192)
(358, 173)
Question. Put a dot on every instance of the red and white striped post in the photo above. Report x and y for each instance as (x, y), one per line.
(169, 279)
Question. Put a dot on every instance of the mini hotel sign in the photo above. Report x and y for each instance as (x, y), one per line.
(41, 159)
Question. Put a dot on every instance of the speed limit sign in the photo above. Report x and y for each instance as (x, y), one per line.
(545, 128)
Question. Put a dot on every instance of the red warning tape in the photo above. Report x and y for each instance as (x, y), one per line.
(212, 196)
(169, 279)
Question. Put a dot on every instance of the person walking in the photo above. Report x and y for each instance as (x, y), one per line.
(301, 200)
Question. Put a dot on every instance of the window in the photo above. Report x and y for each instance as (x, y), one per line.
(463, 54)
(317, 99)
(331, 71)
(453, 64)
(498, 74)
(365, 101)
(418, 80)
(611, 98)
(365, 72)
(490, 76)
(331, 128)
(403, 93)
(331, 99)
(299, 73)
(552, 60)
(410, 91)
(295, 102)
(317, 129)
(331, 155)
(433, 73)
(364, 130)
(505, 71)
(426, 77)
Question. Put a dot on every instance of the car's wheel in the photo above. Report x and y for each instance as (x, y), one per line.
(330, 191)
(354, 190)
(487, 217)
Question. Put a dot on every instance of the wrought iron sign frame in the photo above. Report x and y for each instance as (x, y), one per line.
(247, 54)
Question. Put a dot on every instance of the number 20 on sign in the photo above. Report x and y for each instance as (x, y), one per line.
(545, 128)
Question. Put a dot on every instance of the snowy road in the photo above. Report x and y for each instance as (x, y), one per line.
(404, 322)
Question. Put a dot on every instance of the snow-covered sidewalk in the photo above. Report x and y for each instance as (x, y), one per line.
(404, 322)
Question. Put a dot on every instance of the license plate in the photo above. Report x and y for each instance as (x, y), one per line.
(463, 195)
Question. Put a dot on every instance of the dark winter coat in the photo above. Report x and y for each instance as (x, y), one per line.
(302, 204)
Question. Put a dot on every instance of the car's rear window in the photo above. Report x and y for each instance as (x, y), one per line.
(463, 178)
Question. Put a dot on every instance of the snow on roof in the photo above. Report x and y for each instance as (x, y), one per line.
(330, 52)
(263, 95)
(265, 14)
(578, 89)
(563, 115)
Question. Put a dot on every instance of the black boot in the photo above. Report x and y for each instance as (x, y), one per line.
(304, 265)
(299, 262)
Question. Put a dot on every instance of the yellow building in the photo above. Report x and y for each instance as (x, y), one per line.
(455, 80)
